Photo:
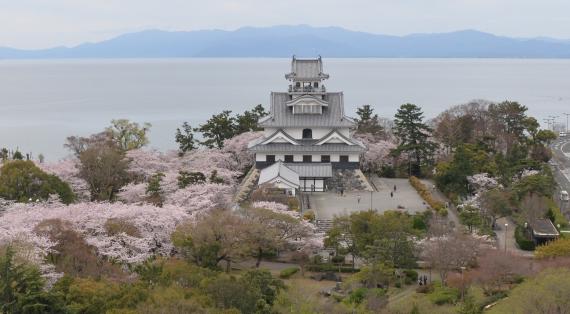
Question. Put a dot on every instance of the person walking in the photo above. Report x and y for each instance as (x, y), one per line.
(391, 194)
(358, 198)
(395, 188)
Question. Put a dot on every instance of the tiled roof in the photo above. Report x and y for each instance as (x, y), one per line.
(311, 170)
(325, 148)
(543, 227)
(282, 117)
(278, 170)
(306, 70)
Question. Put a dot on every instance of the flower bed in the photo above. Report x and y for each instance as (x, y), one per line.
(426, 195)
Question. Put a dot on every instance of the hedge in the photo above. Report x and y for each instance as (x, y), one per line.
(443, 295)
(425, 193)
(412, 274)
(523, 242)
(331, 268)
(288, 272)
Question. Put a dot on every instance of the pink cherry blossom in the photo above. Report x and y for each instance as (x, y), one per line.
(377, 153)
(67, 170)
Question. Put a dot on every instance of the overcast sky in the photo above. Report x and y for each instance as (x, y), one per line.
(46, 23)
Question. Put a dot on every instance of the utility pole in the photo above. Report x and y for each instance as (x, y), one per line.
(553, 118)
(567, 115)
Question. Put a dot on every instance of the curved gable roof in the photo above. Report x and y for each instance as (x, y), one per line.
(281, 116)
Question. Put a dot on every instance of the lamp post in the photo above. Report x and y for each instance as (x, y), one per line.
(462, 283)
(506, 230)
(567, 115)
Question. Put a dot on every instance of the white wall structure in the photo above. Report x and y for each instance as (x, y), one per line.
(307, 130)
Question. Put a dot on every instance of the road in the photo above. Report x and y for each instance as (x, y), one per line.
(560, 163)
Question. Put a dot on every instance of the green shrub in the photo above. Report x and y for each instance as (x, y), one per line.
(555, 215)
(309, 215)
(443, 295)
(419, 222)
(288, 272)
(293, 203)
(411, 274)
(522, 241)
(338, 259)
(387, 171)
(357, 296)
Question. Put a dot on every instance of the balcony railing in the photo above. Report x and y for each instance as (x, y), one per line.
(306, 89)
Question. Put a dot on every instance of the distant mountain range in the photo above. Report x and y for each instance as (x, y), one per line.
(303, 40)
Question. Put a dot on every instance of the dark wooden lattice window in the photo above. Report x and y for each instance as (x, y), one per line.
(307, 133)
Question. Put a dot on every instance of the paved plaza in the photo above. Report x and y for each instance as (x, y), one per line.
(328, 204)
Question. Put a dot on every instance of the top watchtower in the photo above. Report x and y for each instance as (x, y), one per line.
(306, 77)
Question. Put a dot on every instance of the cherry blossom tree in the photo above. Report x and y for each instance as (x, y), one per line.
(237, 148)
(67, 170)
(482, 182)
(154, 225)
(377, 153)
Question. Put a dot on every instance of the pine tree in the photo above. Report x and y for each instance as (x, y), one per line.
(185, 139)
(368, 121)
(217, 129)
(153, 189)
(413, 135)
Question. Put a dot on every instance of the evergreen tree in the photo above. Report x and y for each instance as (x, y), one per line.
(22, 181)
(413, 135)
(186, 178)
(368, 122)
(185, 138)
(247, 121)
(154, 190)
(217, 129)
(21, 288)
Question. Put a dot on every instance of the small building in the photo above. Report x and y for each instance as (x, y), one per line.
(307, 130)
(542, 231)
(281, 177)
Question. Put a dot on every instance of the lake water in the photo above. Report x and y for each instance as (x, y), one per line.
(43, 102)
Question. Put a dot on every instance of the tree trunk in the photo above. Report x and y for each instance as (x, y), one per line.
(228, 265)
(259, 254)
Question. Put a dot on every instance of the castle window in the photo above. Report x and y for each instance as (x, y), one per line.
(307, 158)
(307, 134)
(307, 109)
(325, 158)
(343, 158)
(270, 158)
(288, 158)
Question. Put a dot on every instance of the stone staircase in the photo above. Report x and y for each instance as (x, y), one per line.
(247, 185)
(324, 225)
